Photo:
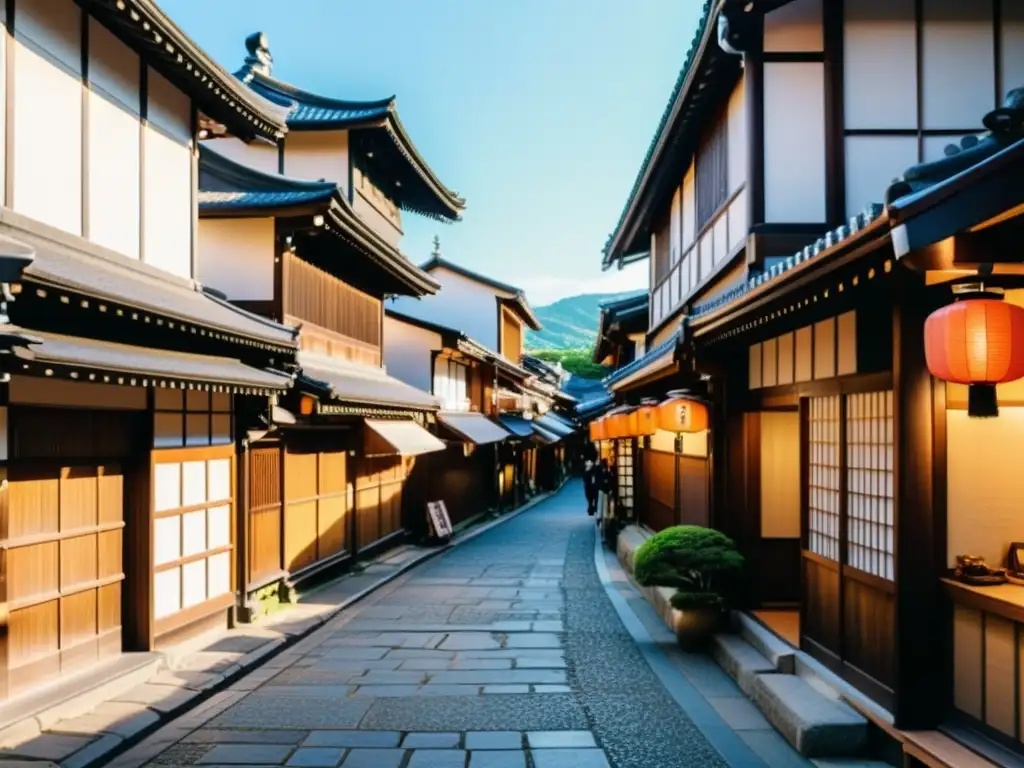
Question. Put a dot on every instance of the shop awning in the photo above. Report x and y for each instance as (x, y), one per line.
(86, 360)
(517, 425)
(363, 384)
(473, 427)
(544, 436)
(401, 437)
(554, 425)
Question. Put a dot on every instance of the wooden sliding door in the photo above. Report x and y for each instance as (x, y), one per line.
(379, 486)
(848, 618)
(61, 524)
(317, 505)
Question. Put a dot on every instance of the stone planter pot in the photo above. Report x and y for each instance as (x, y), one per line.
(695, 627)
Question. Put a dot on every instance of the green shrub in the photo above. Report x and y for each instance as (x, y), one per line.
(700, 563)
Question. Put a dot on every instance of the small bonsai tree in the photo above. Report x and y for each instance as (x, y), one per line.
(699, 563)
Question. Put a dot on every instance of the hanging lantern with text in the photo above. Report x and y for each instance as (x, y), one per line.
(978, 342)
(682, 413)
(643, 422)
(597, 430)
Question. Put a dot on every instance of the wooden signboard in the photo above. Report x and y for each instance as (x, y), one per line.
(440, 523)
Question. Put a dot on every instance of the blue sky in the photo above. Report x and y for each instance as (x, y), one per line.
(539, 112)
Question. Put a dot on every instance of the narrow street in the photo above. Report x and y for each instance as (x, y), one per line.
(505, 652)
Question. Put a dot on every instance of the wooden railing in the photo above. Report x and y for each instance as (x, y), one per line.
(714, 245)
(312, 295)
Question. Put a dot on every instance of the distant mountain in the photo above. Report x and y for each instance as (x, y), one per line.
(570, 323)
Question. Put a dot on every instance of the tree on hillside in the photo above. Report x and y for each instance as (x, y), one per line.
(576, 361)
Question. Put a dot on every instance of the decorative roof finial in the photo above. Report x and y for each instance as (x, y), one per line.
(436, 253)
(259, 58)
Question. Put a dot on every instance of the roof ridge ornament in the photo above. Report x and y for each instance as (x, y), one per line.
(259, 59)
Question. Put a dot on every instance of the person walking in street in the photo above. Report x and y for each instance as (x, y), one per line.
(590, 483)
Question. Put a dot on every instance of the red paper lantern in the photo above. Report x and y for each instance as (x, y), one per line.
(597, 430)
(978, 342)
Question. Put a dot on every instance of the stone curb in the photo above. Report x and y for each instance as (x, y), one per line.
(107, 746)
(721, 737)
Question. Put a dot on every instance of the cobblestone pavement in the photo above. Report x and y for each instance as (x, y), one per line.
(504, 653)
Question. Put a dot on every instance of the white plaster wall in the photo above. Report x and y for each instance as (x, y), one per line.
(737, 140)
(258, 155)
(872, 162)
(794, 142)
(317, 155)
(880, 39)
(114, 143)
(794, 28)
(114, 151)
(236, 256)
(462, 304)
(1012, 31)
(407, 352)
(48, 113)
(957, 54)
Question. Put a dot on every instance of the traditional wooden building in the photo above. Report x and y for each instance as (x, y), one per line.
(462, 375)
(125, 383)
(496, 315)
(787, 288)
(622, 331)
(326, 475)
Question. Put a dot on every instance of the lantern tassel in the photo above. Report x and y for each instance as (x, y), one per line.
(981, 401)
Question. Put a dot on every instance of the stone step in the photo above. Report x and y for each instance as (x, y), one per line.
(780, 653)
(815, 725)
(740, 660)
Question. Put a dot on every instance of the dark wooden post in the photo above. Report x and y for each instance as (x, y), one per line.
(920, 522)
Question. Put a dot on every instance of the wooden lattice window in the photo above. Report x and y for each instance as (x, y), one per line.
(192, 528)
(624, 471)
(869, 483)
(823, 475)
(713, 173)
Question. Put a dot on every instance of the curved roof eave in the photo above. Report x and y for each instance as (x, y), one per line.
(705, 32)
(310, 112)
(389, 257)
(150, 31)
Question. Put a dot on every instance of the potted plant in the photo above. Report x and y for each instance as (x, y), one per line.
(700, 564)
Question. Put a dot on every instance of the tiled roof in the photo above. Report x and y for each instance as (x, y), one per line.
(595, 405)
(162, 365)
(144, 26)
(377, 132)
(653, 354)
(363, 384)
(262, 199)
(74, 264)
(229, 189)
(781, 266)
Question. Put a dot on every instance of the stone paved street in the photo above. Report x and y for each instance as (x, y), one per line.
(505, 652)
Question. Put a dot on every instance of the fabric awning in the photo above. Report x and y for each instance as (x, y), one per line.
(398, 438)
(363, 384)
(473, 427)
(555, 426)
(543, 435)
(517, 425)
(106, 362)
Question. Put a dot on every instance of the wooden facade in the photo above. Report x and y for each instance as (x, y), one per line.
(842, 468)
